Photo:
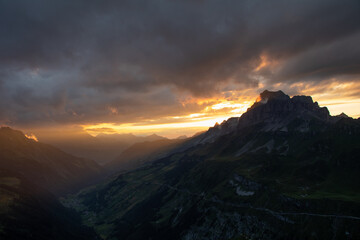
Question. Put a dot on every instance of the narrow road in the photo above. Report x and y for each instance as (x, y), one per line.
(272, 212)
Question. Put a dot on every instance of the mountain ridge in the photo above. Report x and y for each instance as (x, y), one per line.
(240, 180)
(277, 109)
(102, 148)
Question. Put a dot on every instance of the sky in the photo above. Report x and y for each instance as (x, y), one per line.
(170, 67)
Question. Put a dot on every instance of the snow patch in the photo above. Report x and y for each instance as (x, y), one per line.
(243, 193)
(245, 148)
(269, 146)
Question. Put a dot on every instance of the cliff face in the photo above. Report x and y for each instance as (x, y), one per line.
(277, 106)
(275, 110)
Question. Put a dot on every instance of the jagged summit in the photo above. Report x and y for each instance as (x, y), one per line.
(275, 111)
(267, 95)
(279, 95)
(277, 105)
(342, 115)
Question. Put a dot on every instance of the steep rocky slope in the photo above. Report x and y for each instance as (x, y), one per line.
(285, 169)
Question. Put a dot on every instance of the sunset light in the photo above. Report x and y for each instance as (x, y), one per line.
(32, 137)
(179, 120)
(220, 110)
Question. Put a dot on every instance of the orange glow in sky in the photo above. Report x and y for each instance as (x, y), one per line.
(220, 110)
(174, 126)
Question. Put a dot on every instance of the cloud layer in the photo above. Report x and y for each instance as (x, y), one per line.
(87, 61)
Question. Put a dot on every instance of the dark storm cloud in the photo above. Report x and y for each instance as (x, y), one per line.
(70, 61)
(339, 58)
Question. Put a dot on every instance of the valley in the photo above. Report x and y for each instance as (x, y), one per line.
(285, 169)
(180, 120)
(254, 180)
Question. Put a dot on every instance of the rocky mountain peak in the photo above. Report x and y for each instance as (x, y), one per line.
(279, 107)
(342, 115)
(268, 95)
(275, 110)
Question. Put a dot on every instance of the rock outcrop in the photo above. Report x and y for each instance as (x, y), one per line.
(276, 110)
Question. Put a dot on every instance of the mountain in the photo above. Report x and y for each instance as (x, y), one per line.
(29, 212)
(140, 153)
(129, 138)
(285, 169)
(103, 148)
(182, 137)
(275, 111)
(30, 174)
(79, 143)
(43, 164)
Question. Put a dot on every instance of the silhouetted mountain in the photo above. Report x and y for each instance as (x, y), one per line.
(81, 144)
(152, 137)
(275, 111)
(103, 148)
(182, 137)
(127, 139)
(44, 165)
(140, 153)
(285, 169)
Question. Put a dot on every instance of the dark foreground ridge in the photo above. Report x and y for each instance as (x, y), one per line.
(32, 174)
(43, 164)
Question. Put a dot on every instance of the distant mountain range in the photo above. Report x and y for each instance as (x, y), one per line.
(141, 153)
(285, 169)
(103, 148)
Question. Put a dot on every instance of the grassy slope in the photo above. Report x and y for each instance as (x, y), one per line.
(191, 191)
